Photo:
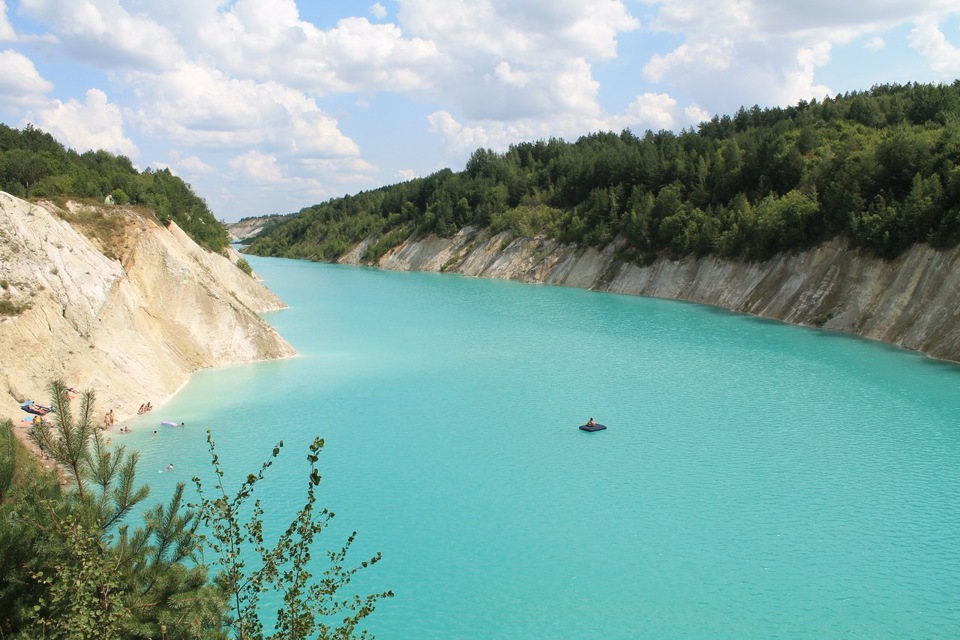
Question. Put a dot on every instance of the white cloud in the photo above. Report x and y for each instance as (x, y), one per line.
(510, 60)
(696, 114)
(105, 34)
(406, 174)
(320, 176)
(520, 30)
(711, 55)
(194, 165)
(346, 171)
(268, 41)
(200, 106)
(7, 34)
(944, 58)
(652, 111)
(798, 83)
(20, 82)
(875, 43)
(459, 139)
(648, 111)
(509, 76)
(257, 167)
(378, 11)
(90, 125)
(770, 52)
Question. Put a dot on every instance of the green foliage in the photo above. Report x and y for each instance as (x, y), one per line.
(34, 164)
(8, 458)
(376, 250)
(10, 308)
(880, 167)
(244, 266)
(527, 221)
(72, 567)
(119, 196)
(250, 565)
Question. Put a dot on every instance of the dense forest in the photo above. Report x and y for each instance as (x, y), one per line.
(34, 165)
(880, 167)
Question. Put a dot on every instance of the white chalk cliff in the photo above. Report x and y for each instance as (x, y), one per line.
(912, 302)
(132, 326)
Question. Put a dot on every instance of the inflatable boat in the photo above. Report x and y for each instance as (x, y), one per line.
(593, 427)
(36, 409)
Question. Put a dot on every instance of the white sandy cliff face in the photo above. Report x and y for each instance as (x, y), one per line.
(912, 302)
(131, 329)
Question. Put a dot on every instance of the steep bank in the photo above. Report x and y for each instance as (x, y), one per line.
(912, 302)
(132, 326)
(249, 227)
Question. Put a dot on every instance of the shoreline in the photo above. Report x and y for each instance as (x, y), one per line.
(22, 425)
(908, 302)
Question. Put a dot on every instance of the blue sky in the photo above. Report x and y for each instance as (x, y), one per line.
(268, 106)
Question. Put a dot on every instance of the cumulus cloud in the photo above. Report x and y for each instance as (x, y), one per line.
(194, 165)
(7, 34)
(875, 43)
(460, 139)
(93, 124)
(201, 106)
(20, 82)
(257, 167)
(490, 60)
(769, 52)
(798, 83)
(653, 111)
(696, 114)
(318, 175)
(378, 11)
(266, 40)
(520, 30)
(648, 111)
(656, 111)
(103, 33)
(339, 172)
(707, 56)
(944, 58)
(509, 60)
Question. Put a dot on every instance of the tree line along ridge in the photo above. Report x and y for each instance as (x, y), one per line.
(35, 165)
(879, 167)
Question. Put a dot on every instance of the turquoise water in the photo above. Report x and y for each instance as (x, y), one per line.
(757, 480)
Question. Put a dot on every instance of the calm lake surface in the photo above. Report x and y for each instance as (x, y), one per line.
(757, 480)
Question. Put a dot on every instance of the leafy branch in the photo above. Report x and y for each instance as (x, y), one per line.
(312, 608)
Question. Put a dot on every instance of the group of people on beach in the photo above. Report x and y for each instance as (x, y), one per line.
(109, 420)
(144, 408)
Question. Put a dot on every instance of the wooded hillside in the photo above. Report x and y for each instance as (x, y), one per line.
(881, 167)
(34, 165)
